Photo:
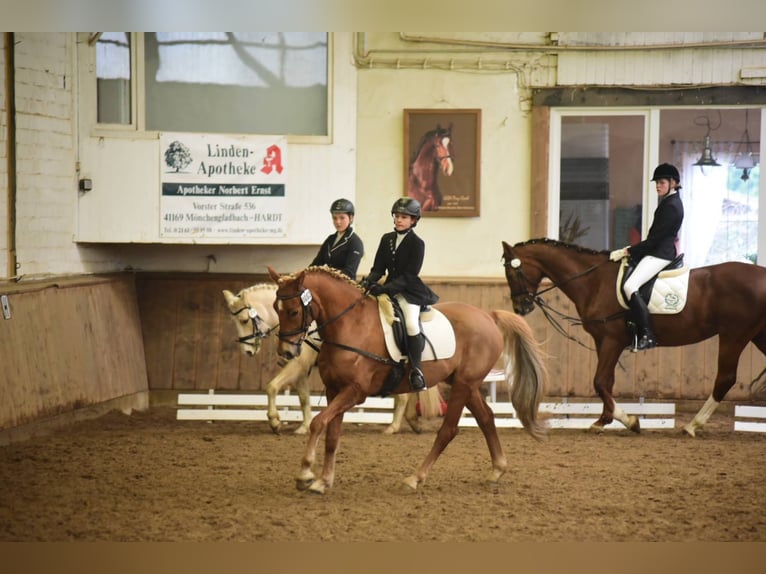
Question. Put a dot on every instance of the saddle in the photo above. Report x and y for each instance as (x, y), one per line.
(665, 293)
(435, 327)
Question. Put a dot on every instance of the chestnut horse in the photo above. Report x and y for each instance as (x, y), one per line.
(252, 310)
(354, 364)
(433, 153)
(728, 300)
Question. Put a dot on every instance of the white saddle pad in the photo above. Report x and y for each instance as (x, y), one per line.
(436, 328)
(668, 294)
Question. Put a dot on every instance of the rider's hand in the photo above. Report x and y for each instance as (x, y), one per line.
(618, 254)
(376, 289)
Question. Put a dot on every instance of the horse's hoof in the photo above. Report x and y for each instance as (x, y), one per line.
(301, 430)
(274, 427)
(596, 428)
(303, 483)
(317, 487)
(389, 430)
(411, 481)
(494, 476)
(689, 430)
(635, 424)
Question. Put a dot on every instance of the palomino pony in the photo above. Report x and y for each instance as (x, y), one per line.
(728, 300)
(252, 310)
(354, 364)
(433, 153)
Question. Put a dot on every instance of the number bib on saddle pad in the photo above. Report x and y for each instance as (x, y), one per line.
(436, 327)
(668, 292)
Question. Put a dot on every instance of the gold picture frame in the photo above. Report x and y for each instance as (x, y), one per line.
(445, 180)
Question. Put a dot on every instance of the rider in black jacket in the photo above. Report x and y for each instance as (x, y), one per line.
(657, 250)
(343, 250)
(400, 255)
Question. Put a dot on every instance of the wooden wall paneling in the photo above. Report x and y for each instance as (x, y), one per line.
(540, 134)
(188, 337)
(707, 381)
(209, 320)
(669, 372)
(625, 376)
(693, 375)
(158, 308)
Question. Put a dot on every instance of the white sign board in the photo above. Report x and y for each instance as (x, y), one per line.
(217, 186)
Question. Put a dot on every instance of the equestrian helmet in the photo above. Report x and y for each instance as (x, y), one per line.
(666, 171)
(342, 206)
(408, 206)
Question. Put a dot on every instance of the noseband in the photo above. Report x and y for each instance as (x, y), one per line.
(257, 332)
(306, 320)
(527, 296)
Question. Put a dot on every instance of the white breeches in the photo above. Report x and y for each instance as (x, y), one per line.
(411, 315)
(647, 268)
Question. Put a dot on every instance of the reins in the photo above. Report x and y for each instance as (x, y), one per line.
(306, 301)
(548, 311)
(257, 333)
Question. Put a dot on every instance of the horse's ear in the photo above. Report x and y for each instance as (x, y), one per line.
(273, 274)
(506, 248)
(229, 296)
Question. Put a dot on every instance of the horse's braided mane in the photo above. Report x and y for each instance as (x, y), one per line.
(329, 271)
(257, 287)
(556, 243)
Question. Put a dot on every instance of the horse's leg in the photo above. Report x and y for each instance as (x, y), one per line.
(331, 420)
(400, 404)
(728, 359)
(303, 388)
(447, 431)
(272, 390)
(485, 418)
(603, 382)
(411, 412)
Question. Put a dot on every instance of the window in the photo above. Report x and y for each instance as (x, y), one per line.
(602, 196)
(236, 82)
(218, 82)
(113, 76)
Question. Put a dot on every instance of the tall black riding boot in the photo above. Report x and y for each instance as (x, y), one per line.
(415, 346)
(643, 320)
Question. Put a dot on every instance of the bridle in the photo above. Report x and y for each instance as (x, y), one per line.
(308, 317)
(256, 320)
(530, 298)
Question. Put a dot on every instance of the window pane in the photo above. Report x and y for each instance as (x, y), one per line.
(237, 82)
(720, 207)
(601, 193)
(113, 77)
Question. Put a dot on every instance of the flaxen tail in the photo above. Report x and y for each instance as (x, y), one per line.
(524, 362)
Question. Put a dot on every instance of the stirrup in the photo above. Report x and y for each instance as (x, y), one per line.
(644, 343)
(417, 380)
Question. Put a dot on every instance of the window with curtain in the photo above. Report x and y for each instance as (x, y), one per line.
(720, 202)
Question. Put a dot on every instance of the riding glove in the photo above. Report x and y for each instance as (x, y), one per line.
(618, 254)
(376, 289)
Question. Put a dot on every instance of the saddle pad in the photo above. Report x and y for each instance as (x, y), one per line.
(437, 329)
(668, 293)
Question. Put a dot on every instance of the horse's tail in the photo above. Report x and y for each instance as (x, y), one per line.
(524, 361)
(430, 402)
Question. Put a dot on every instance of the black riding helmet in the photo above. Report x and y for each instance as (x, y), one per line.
(666, 171)
(342, 206)
(407, 206)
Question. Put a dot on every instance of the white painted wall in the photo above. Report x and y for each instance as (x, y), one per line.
(363, 162)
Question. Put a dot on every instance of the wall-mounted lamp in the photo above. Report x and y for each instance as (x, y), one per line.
(706, 159)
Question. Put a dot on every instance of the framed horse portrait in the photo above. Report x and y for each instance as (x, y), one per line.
(442, 149)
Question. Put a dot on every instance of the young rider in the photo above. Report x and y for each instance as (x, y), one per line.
(342, 250)
(400, 255)
(656, 251)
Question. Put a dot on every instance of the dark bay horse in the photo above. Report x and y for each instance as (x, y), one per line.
(728, 300)
(353, 363)
(432, 154)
